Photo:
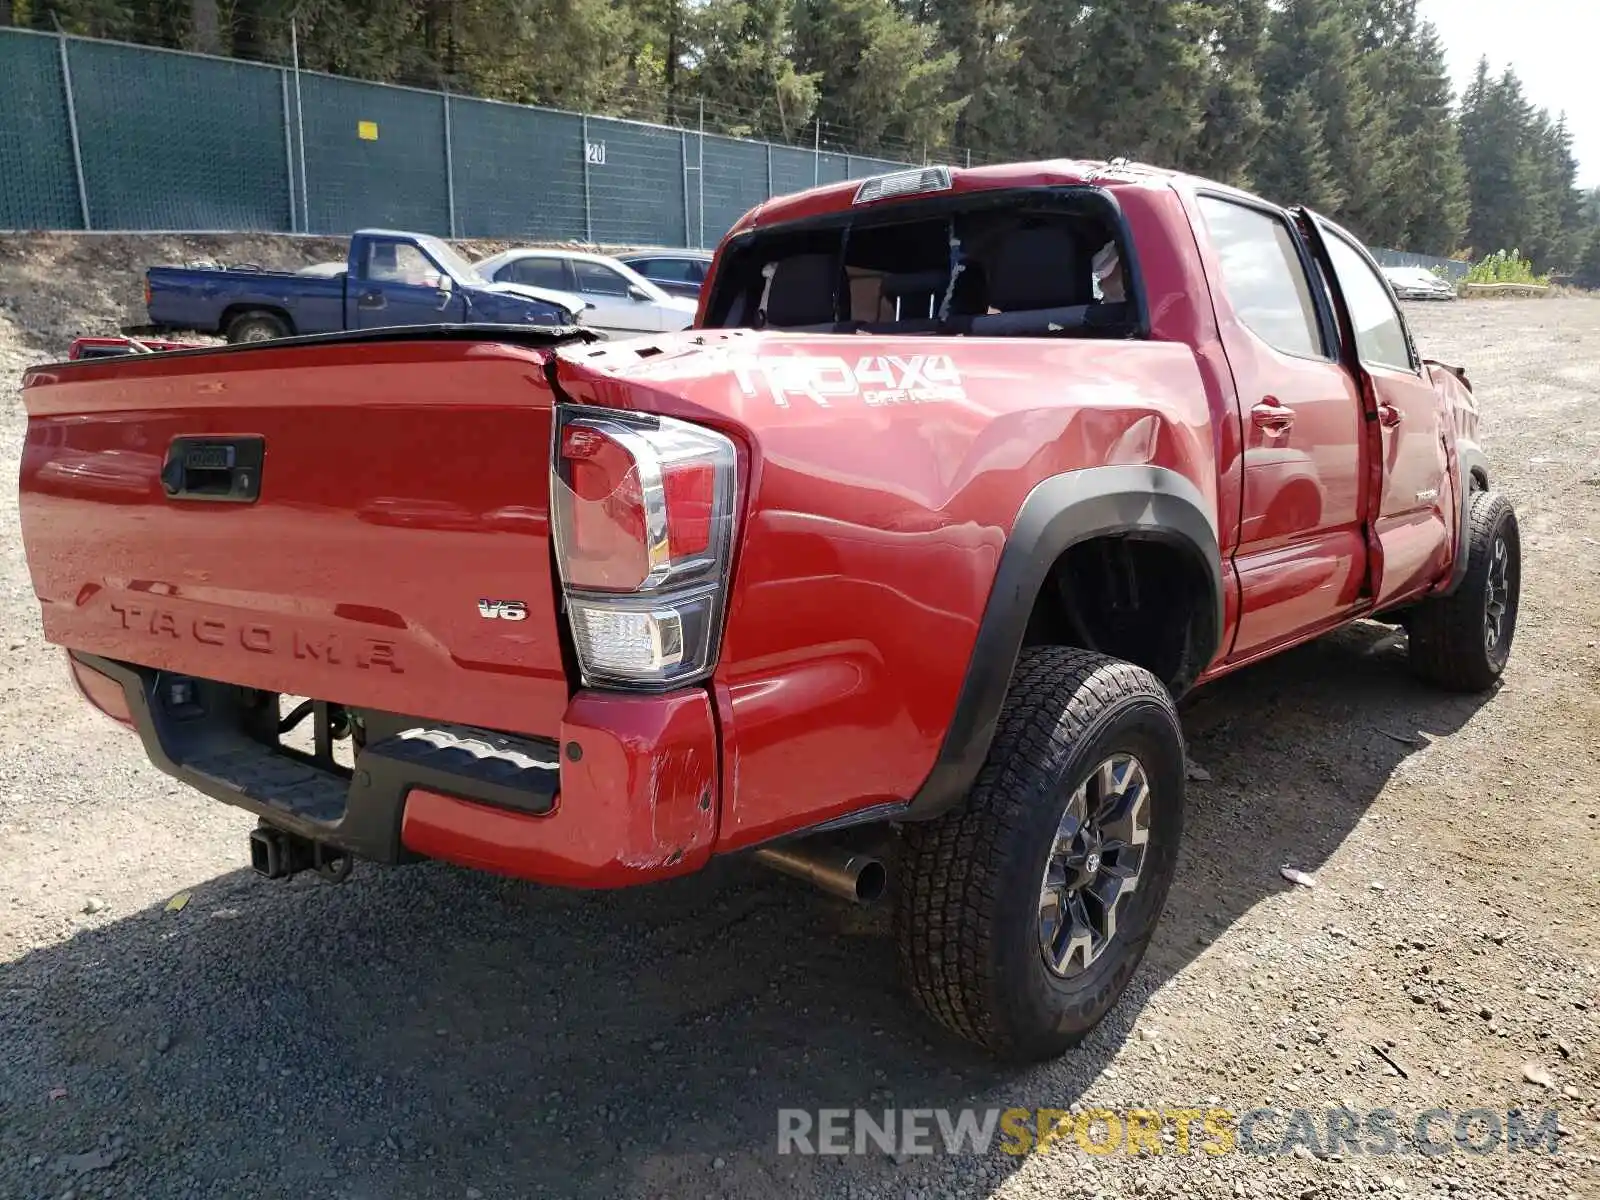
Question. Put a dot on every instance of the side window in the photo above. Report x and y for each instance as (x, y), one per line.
(1263, 277)
(598, 280)
(538, 272)
(1380, 333)
(400, 262)
(669, 270)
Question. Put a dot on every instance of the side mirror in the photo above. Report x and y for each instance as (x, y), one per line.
(635, 292)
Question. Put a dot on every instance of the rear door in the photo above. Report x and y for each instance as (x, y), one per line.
(614, 307)
(675, 276)
(1415, 497)
(1301, 555)
(537, 271)
(401, 285)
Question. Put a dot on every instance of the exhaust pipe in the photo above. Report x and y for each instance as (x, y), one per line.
(842, 871)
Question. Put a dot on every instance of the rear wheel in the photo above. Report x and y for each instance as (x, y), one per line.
(1462, 641)
(1024, 912)
(257, 327)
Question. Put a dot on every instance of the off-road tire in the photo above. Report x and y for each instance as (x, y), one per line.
(967, 920)
(1449, 645)
(257, 327)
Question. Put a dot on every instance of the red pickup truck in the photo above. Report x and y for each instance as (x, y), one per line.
(961, 478)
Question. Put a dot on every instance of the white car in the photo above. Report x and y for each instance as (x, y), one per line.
(620, 300)
(1418, 283)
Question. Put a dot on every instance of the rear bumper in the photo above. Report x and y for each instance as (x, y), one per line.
(627, 795)
(637, 801)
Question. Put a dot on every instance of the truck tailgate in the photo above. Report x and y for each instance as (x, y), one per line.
(386, 553)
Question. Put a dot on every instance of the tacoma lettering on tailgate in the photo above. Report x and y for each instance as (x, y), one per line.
(259, 637)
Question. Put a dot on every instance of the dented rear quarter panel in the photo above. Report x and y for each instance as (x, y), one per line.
(881, 478)
(1463, 448)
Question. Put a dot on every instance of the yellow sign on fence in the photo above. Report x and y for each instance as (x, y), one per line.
(367, 131)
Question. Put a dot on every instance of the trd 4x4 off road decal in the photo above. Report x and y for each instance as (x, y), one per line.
(875, 379)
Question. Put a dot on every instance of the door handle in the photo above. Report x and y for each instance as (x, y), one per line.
(1271, 417)
(1389, 416)
(370, 300)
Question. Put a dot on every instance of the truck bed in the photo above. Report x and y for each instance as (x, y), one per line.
(204, 298)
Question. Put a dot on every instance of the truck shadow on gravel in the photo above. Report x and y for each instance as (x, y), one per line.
(420, 1032)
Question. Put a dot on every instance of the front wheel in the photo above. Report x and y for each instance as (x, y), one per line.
(1024, 912)
(1462, 641)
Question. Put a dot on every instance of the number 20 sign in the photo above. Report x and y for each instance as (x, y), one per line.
(595, 152)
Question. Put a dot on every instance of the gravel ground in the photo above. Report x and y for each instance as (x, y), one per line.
(430, 1032)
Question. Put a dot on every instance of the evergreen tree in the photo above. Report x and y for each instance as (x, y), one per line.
(1559, 238)
(1232, 117)
(883, 86)
(1386, 44)
(982, 36)
(745, 53)
(1139, 81)
(1046, 125)
(583, 54)
(1312, 47)
(205, 26)
(1502, 185)
(1293, 166)
(1381, 24)
(1431, 202)
(1588, 273)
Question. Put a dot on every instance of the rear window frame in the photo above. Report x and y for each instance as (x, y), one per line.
(1049, 198)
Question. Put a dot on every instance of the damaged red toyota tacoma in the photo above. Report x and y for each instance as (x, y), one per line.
(961, 478)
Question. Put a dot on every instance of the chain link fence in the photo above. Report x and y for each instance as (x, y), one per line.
(107, 136)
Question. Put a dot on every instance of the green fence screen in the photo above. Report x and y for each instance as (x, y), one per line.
(37, 186)
(117, 137)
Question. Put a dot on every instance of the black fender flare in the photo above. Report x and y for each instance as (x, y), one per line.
(1136, 501)
(1470, 462)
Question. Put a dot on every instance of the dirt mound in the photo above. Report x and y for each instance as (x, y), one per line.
(58, 286)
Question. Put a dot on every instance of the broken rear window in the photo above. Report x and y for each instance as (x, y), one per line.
(1034, 264)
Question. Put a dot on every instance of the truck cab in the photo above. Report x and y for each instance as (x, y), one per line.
(417, 279)
(401, 281)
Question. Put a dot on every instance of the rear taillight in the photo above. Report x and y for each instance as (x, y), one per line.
(147, 291)
(642, 510)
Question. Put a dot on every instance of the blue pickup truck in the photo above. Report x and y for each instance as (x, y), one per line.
(390, 279)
